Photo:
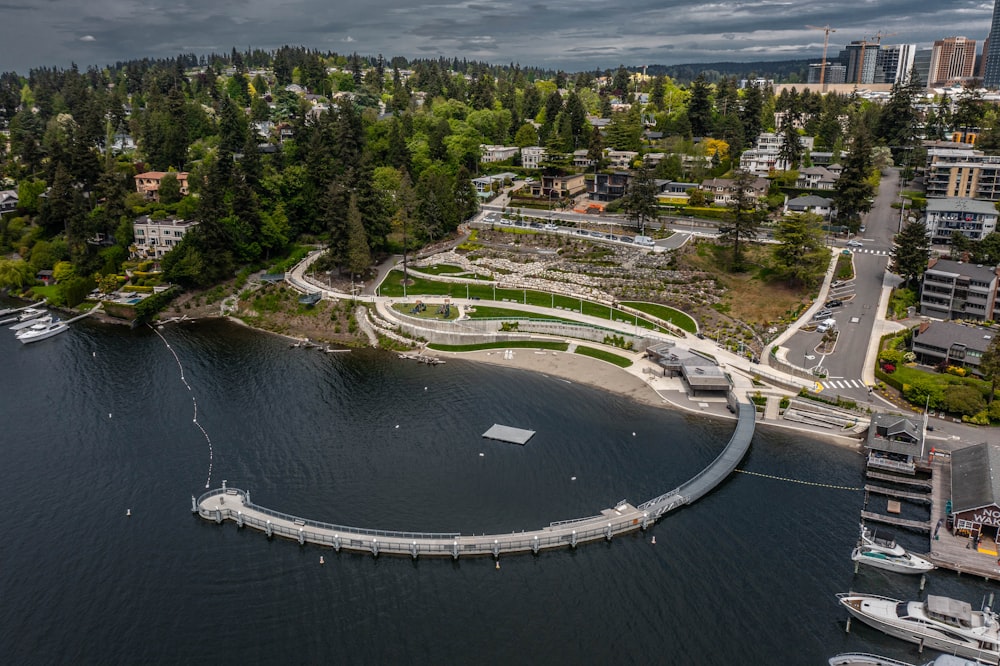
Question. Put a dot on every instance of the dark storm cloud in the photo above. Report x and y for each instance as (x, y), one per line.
(570, 34)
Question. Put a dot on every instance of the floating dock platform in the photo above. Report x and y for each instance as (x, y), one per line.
(508, 434)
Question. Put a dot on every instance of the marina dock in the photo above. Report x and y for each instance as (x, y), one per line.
(918, 525)
(236, 505)
(923, 498)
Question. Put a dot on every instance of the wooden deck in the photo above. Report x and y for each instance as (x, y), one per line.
(900, 494)
(872, 517)
(892, 478)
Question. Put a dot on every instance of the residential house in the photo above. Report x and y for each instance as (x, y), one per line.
(148, 183)
(581, 158)
(620, 159)
(610, 186)
(971, 217)
(532, 155)
(816, 178)
(951, 343)
(553, 187)
(8, 201)
(489, 153)
(154, 238)
(721, 191)
(810, 203)
(820, 157)
(487, 186)
(956, 290)
(895, 443)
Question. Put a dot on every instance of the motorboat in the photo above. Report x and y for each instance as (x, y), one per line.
(30, 313)
(47, 319)
(940, 623)
(906, 563)
(35, 334)
(865, 659)
(885, 553)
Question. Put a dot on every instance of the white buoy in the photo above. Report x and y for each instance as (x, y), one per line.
(482, 455)
(95, 354)
(128, 512)
(397, 425)
(653, 541)
(633, 434)
(109, 415)
(572, 478)
(425, 388)
(498, 564)
(321, 560)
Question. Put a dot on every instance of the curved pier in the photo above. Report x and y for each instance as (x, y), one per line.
(234, 504)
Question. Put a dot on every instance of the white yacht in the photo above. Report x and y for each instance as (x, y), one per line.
(35, 334)
(865, 659)
(47, 319)
(904, 564)
(940, 623)
(887, 554)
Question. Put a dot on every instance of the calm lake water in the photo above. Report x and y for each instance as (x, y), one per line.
(97, 421)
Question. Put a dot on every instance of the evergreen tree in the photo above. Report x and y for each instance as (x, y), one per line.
(169, 191)
(897, 123)
(333, 212)
(800, 255)
(744, 217)
(912, 252)
(853, 191)
(640, 203)
(359, 258)
(790, 152)
(466, 199)
(989, 366)
(751, 113)
(699, 111)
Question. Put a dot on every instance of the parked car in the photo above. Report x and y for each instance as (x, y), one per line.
(854, 243)
(627, 239)
(835, 303)
(644, 240)
(826, 326)
(822, 314)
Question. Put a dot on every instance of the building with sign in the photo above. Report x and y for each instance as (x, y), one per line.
(895, 443)
(975, 490)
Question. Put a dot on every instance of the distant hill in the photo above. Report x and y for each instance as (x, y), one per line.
(781, 71)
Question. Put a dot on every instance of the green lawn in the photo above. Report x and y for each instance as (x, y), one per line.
(602, 355)
(430, 313)
(440, 269)
(666, 313)
(392, 287)
(514, 344)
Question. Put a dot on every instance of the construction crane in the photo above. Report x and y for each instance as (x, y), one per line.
(826, 41)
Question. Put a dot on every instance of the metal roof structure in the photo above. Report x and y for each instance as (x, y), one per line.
(975, 477)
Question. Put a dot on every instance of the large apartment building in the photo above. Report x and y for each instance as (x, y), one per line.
(971, 217)
(956, 290)
(962, 172)
(991, 79)
(764, 158)
(154, 238)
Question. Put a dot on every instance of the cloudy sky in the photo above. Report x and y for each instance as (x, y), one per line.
(568, 34)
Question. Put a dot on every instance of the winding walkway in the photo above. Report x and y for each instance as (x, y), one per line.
(234, 504)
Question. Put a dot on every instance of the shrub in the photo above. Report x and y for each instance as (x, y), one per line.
(889, 368)
(890, 357)
(963, 399)
(784, 403)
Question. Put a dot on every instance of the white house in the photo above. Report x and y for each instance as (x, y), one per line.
(8, 201)
(620, 159)
(489, 154)
(154, 238)
(532, 155)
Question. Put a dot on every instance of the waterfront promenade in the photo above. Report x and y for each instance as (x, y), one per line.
(234, 504)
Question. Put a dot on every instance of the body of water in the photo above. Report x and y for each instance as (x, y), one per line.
(98, 421)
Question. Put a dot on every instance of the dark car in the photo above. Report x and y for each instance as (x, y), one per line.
(835, 303)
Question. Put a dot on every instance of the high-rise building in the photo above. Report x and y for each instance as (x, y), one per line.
(835, 72)
(922, 66)
(952, 59)
(894, 63)
(991, 79)
(859, 58)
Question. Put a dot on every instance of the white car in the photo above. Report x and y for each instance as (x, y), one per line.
(854, 243)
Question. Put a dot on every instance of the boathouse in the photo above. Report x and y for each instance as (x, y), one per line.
(975, 490)
(895, 443)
